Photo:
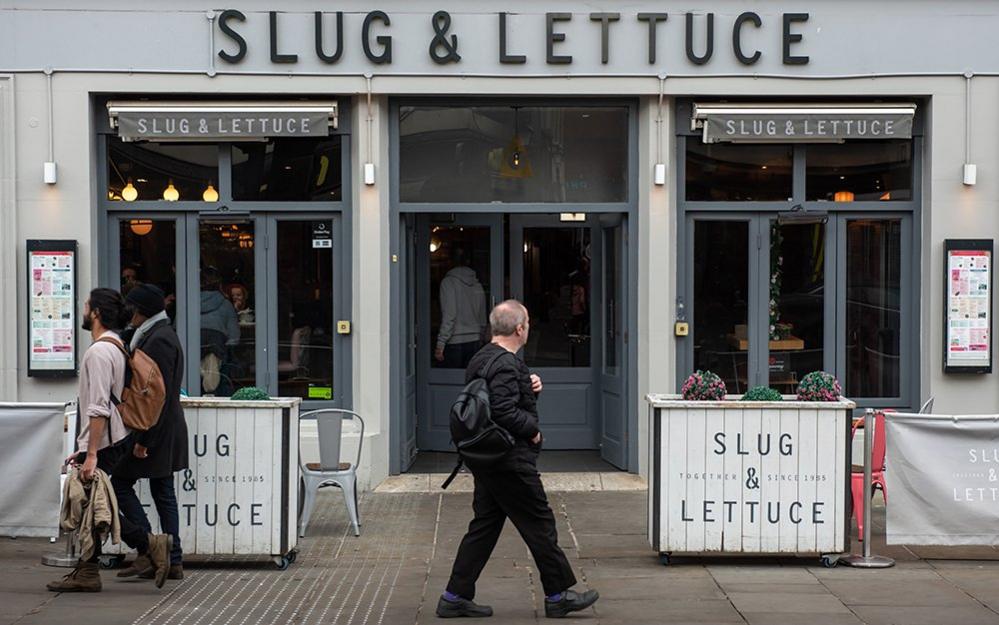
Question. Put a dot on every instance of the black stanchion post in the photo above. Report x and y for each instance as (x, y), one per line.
(866, 560)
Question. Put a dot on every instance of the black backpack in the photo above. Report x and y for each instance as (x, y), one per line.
(480, 442)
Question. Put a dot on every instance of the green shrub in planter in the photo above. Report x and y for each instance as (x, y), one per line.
(762, 393)
(250, 393)
(819, 386)
(703, 386)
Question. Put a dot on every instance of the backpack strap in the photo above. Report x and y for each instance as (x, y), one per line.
(484, 370)
(454, 473)
(128, 361)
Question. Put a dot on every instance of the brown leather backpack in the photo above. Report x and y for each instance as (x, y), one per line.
(144, 396)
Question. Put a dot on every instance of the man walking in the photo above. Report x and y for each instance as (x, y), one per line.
(511, 488)
(103, 438)
(160, 451)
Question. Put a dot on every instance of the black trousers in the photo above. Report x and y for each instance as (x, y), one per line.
(132, 534)
(165, 499)
(519, 496)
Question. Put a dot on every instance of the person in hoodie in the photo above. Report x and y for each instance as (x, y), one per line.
(219, 331)
(463, 314)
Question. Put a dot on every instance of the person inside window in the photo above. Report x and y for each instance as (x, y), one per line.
(463, 313)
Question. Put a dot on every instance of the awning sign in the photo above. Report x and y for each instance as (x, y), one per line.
(159, 122)
(802, 125)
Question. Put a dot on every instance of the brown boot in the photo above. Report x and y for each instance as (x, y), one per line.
(159, 553)
(141, 566)
(86, 577)
(176, 572)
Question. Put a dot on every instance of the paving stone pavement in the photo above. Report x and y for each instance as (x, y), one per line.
(395, 571)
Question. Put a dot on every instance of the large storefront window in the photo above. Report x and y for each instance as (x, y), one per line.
(513, 154)
(798, 257)
(249, 252)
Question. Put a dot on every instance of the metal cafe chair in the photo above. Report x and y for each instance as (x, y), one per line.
(329, 471)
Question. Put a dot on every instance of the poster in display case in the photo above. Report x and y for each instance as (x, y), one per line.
(52, 310)
(968, 306)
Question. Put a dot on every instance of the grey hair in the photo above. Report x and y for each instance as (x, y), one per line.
(506, 316)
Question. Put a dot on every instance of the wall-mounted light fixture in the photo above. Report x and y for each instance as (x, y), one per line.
(659, 171)
(970, 170)
(369, 166)
(49, 173)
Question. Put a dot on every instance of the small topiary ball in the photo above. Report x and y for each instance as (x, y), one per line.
(250, 393)
(703, 386)
(819, 386)
(762, 393)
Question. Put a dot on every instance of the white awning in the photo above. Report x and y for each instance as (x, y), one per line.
(220, 121)
(803, 123)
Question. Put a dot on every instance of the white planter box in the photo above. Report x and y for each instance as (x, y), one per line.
(240, 495)
(749, 477)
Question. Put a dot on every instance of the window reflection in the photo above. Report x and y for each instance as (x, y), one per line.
(459, 284)
(557, 293)
(149, 171)
(859, 171)
(283, 169)
(148, 255)
(873, 301)
(731, 172)
(513, 154)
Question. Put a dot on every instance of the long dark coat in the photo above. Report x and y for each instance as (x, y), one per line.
(167, 440)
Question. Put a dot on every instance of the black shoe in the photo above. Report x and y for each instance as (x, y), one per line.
(460, 608)
(571, 601)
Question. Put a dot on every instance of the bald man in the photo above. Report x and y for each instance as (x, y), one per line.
(512, 487)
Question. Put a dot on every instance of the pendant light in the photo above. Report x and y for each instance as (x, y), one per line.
(843, 196)
(129, 193)
(141, 227)
(210, 194)
(171, 194)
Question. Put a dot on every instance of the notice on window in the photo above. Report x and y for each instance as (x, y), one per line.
(969, 309)
(52, 315)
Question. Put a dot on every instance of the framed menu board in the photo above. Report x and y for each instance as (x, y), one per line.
(968, 306)
(52, 314)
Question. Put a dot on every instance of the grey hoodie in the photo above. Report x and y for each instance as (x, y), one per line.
(463, 308)
(217, 313)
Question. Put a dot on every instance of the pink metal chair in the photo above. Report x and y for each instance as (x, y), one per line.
(877, 469)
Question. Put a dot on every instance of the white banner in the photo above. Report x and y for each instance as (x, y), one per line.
(942, 475)
(31, 454)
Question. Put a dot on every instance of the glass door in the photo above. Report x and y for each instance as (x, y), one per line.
(613, 310)
(459, 277)
(758, 299)
(228, 299)
(551, 272)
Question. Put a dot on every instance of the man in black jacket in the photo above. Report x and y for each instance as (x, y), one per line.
(511, 488)
(160, 451)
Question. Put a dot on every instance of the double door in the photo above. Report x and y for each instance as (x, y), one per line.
(254, 297)
(772, 297)
(569, 275)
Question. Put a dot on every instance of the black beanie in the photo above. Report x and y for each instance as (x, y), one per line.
(148, 299)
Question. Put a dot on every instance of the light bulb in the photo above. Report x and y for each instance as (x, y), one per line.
(516, 159)
(129, 193)
(210, 194)
(171, 194)
(434, 246)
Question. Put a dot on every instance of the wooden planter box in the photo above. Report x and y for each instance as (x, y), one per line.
(749, 477)
(240, 495)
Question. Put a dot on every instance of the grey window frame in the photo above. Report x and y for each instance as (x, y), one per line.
(909, 211)
(263, 214)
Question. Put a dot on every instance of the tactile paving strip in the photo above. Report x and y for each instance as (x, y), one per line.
(337, 578)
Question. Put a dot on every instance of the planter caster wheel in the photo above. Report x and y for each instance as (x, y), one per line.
(292, 556)
(110, 562)
(829, 561)
(664, 559)
(281, 562)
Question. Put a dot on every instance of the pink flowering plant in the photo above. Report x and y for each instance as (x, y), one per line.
(819, 386)
(703, 386)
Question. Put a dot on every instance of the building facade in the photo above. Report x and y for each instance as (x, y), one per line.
(331, 195)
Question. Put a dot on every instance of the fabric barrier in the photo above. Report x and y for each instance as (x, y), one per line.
(942, 476)
(31, 453)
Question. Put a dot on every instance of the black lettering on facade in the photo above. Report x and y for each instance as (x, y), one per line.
(384, 41)
(748, 16)
(653, 19)
(709, 40)
(320, 48)
(224, 18)
(790, 38)
(554, 37)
